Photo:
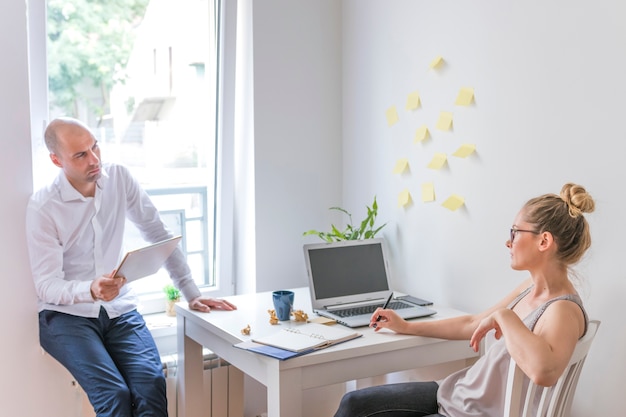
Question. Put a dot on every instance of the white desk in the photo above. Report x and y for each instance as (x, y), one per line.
(371, 355)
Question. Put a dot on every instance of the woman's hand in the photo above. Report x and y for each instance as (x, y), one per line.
(387, 319)
(485, 326)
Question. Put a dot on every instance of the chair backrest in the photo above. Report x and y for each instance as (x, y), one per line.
(555, 401)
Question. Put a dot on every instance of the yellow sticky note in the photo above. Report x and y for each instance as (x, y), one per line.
(445, 121)
(454, 202)
(436, 62)
(421, 134)
(404, 198)
(413, 101)
(401, 166)
(438, 161)
(465, 150)
(428, 192)
(465, 97)
(392, 116)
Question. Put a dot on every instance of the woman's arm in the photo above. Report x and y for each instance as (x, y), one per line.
(456, 328)
(544, 353)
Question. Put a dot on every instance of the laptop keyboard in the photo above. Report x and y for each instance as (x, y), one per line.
(357, 311)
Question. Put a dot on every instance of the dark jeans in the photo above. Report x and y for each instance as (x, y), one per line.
(411, 399)
(115, 361)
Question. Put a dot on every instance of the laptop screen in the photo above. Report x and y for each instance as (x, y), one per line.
(348, 268)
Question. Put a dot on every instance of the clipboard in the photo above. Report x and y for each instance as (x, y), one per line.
(140, 263)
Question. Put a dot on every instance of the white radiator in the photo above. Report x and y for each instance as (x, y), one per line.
(223, 394)
(223, 387)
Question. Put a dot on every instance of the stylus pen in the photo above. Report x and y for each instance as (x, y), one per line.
(385, 306)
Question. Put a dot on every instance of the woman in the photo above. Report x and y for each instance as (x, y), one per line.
(537, 324)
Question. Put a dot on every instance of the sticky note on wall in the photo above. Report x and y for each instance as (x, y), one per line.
(465, 97)
(445, 121)
(454, 202)
(392, 116)
(465, 150)
(421, 134)
(413, 101)
(435, 63)
(401, 166)
(428, 192)
(438, 161)
(404, 198)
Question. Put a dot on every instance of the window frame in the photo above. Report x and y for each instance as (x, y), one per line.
(220, 247)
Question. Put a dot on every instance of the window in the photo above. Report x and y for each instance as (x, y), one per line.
(143, 75)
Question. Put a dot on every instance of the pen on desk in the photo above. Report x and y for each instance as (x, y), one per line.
(385, 306)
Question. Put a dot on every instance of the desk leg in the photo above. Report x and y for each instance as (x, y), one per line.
(190, 379)
(284, 393)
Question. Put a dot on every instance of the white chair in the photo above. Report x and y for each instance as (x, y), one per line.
(555, 401)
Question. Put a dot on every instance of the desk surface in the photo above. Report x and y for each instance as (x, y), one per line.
(355, 359)
(252, 310)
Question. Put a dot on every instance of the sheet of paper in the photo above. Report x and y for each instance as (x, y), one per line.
(465, 97)
(392, 116)
(404, 198)
(413, 101)
(322, 320)
(438, 161)
(464, 150)
(436, 62)
(401, 166)
(428, 192)
(454, 202)
(445, 121)
(421, 134)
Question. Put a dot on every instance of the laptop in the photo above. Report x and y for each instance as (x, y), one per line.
(349, 279)
(146, 260)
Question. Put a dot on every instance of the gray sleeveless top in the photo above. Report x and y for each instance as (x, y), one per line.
(479, 391)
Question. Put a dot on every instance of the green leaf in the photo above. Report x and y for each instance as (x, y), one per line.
(340, 209)
(377, 230)
(171, 292)
(365, 231)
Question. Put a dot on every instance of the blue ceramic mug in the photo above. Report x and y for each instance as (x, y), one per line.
(283, 304)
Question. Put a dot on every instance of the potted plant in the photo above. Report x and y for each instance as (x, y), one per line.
(366, 229)
(172, 296)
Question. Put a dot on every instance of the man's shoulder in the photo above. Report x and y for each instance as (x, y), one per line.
(115, 168)
(43, 195)
(115, 173)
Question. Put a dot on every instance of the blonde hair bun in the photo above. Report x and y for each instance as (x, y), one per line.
(577, 199)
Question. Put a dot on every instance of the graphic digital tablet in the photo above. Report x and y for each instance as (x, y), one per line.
(147, 260)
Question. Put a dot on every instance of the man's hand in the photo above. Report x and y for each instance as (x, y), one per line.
(206, 304)
(106, 288)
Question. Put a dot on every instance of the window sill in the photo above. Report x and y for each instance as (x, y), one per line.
(163, 329)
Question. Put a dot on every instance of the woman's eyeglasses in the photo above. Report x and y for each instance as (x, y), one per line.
(514, 233)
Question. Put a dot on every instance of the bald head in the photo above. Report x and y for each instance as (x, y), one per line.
(55, 129)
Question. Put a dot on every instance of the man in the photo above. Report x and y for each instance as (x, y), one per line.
(87, 319)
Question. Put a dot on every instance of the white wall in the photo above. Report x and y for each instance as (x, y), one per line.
(297, 132)
(27, 374)
(549, 85)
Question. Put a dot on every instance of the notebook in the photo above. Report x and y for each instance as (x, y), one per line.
(349, 279)
(298, 340)
(145, 261)
(307, 337)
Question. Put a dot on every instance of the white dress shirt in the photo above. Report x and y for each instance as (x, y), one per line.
(73, 240)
